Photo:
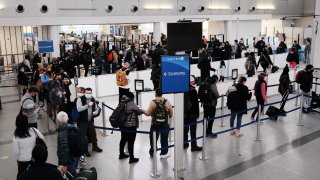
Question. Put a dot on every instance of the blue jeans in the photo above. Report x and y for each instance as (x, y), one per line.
(164, 138)
(233, 117)
(73, 164)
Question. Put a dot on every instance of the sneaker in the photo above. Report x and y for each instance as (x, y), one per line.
(123, 156)
(185, 146)
(305, 110)
(97, 149)
(164, 156)
(197, 148)
(211, 135)
(238, 134)
(232, 133)
(87, 154)
(133, 160)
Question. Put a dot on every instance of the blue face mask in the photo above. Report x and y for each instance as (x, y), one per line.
(88, 96)
(80, 94)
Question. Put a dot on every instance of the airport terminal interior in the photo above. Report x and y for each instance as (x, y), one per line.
(231, 87)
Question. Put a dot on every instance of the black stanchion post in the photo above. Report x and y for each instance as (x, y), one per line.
(222, 111)
(0, 104)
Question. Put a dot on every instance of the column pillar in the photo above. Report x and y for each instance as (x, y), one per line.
(54, 36)
(315, 44)
(156, 32)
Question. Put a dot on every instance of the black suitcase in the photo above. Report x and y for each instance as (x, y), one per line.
(315, 101)
(87, 174)
(272, 111)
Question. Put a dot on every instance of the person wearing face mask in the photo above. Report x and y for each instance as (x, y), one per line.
(305, 78)
(23, 80)
(88, 109)
(243, 96)
(191, 111)
(260, 91)
(29, 107)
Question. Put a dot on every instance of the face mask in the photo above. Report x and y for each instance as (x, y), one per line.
(80, 94)
(22, 70)
(88, 96)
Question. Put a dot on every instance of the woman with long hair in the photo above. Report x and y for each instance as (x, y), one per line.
(23, 142)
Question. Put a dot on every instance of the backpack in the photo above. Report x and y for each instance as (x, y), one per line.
(110, 57)
(298, 77)
(232, 97)
(119, 116)
(204, 93)
(28, 110)
(160, 115)
(121, 78)
(75, 115)
(249, 65)
(77, 142)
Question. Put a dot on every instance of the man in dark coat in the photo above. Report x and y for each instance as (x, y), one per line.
(191, 115)
(204, 65)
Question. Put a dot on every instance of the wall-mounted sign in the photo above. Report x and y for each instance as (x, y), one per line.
(45, 46)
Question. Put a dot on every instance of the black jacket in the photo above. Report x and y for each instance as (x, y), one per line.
(293, 57)
(193, 112)
(204, 65)
(306, 78)
(284, 83)
(244, 96)
(155, 73)
(63, 150)
(40, 171)
(84, 114)
(22, 79)
(258, 91)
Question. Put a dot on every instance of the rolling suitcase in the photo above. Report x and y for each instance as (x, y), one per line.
(272, 111)
(87, 174)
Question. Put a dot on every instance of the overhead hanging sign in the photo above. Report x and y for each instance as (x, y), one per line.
(175, 74)
(45, 46)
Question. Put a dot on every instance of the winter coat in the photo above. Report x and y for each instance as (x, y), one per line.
(132, 111)
(193, 112)
(63, 150)
(284, 83)
(244, 96)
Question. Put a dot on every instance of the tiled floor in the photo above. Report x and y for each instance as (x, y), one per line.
(229, 157)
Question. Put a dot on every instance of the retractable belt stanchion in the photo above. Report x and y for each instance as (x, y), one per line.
(46, 115)
(300, 113)
(297, 87)
(204, 141)
(258, 124)
(155, 172)
(104, 119)
(171, 139)
(222, 111)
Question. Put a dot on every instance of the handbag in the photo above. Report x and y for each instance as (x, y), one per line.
(39, 141)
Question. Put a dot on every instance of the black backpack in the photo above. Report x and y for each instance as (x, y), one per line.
(204, 93)
(119, 116)
(78, 144)
(232, 97)
(160, 115)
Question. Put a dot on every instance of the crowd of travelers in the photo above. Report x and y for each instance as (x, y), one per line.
(48, 86)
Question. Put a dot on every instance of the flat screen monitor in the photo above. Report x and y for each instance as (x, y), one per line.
(184, 36)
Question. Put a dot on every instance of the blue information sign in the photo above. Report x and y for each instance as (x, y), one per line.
(175, 74)
(45, 46)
